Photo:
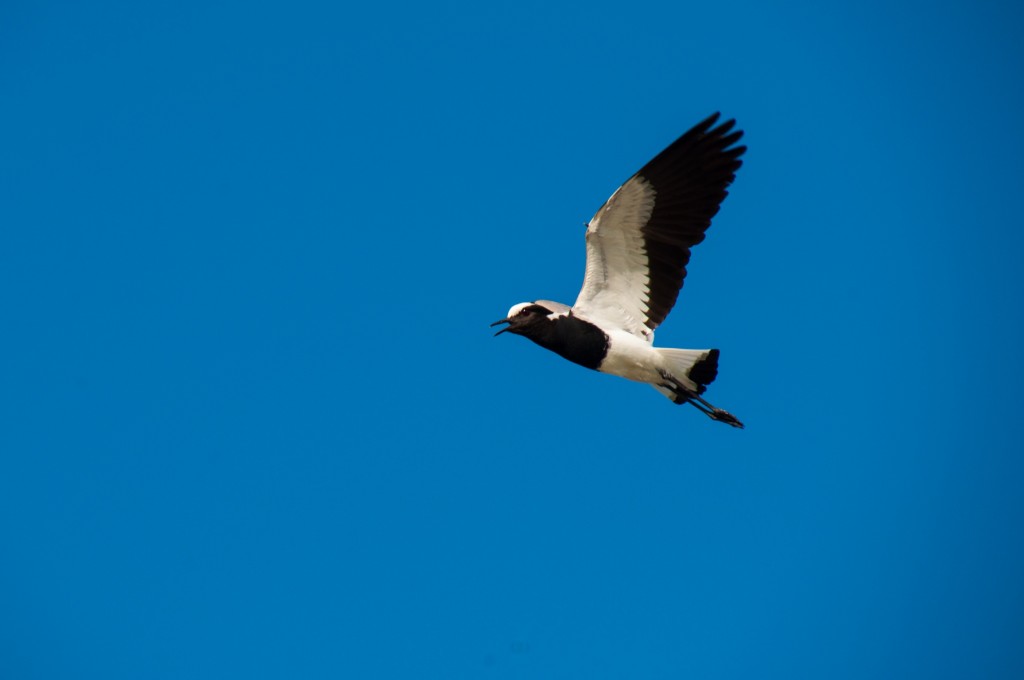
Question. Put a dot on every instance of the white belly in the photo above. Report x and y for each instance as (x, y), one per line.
(632, 358)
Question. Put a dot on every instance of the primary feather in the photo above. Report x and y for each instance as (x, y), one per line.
(638, 242)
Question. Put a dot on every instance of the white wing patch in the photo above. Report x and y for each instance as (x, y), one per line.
(616, 284)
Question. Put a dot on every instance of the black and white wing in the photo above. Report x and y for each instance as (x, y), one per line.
(638, 243)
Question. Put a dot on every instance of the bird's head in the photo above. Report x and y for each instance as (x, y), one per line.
(523, 317)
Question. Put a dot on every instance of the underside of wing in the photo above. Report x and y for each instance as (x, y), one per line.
(638, 243)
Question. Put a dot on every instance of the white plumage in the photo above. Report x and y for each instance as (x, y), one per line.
(638, 246)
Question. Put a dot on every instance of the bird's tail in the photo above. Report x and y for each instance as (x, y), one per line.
(688, 373)
(694, 368)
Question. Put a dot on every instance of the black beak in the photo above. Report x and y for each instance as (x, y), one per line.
(503, 329)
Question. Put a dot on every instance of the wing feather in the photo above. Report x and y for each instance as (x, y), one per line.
(638, 243)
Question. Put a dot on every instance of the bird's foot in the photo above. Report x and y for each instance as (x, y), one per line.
(723, 416)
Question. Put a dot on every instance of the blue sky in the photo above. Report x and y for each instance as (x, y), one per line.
(255, 424)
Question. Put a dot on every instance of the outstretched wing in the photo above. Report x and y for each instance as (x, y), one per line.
(638, 243)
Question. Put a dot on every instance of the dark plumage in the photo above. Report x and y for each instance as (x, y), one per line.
(638, 246)
(689, 179)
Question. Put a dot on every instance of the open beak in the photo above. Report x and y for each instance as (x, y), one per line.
(503, 329)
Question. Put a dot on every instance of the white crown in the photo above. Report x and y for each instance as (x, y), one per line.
(517, 308)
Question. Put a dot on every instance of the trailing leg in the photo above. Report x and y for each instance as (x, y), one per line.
(679, 394)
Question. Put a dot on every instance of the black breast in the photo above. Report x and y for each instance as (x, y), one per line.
(579, 341)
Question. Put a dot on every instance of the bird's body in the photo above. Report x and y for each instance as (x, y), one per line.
(630, 357)
(638, 245)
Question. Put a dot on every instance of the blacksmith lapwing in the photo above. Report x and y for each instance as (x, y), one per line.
(638, 246)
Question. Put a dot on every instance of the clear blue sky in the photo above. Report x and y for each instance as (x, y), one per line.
(255, 425)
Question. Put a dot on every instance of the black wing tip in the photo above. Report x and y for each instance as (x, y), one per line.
(709, 135)
(708, 127)
(709, 121)
(724, 136)
(703, 139)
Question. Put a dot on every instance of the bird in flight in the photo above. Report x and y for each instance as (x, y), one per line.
(638, 246)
